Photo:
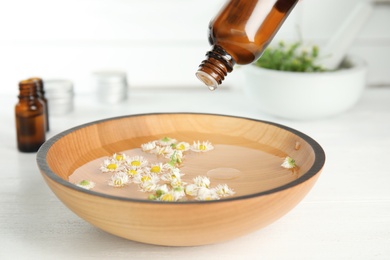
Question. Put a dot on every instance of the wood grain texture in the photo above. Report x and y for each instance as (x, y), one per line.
(184, 223)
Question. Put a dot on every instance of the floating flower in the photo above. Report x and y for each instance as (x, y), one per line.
(165, 151)
(148, 186)
(119, 157)
(223, 190)
(207, 194)
(158, 168)
(204, 146)
(202, 181)
(172, 175)
(179, 192)
(133, 171)
(166, 141)
(137, 162)
(200, 184)
(147, 182)
(177, 183)
(111, 165)
(86, 184)
(192, 190)
(182, 146)
(119, 179)
(149, 147)
(171, 195)
(176, 157)
(288, 163)
(163, 193)
(162, 189)
(146, 177)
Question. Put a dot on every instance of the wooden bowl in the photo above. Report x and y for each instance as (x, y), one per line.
(265, 191)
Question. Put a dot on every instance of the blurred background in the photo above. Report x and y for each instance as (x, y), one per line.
(158, 43)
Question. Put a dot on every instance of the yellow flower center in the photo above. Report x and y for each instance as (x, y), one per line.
(180, 147)
(112, 166)
(118, 182)
(119, 157)
(132, 172)
(175, 182)
(167, 197)
(135, 163)
(145, 178)
(202, 147)
(155, 169)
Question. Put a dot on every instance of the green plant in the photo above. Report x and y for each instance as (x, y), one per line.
(290, 58)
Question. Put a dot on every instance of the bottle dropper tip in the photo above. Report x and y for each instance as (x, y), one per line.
(209, 81)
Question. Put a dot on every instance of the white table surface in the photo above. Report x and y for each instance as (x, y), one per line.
(345, 216)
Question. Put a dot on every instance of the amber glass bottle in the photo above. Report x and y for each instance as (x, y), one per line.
(239, 34)
(30, 118)
(42, 97)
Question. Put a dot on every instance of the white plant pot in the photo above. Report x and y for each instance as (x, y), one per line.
(306, 96)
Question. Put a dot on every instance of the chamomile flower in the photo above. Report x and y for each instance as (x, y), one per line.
(145, 177)
(182, 146)
(164, 150)
(172, 175)
(147, 182)
(202, 181)
(134, 171)
(111, 165)
(119, 179)
(166, 141)
(148, 186)
(136, 161)
(171, 195)
(158, 168)
(119, 157)
(288, 163)
(207, 194)
(149, 147)
(178, 184)
(223, 190)
(86, 184)
(204, 146)
(161, 189)
(163, 193)
(192, 190)
(176, 157)
(179, 191)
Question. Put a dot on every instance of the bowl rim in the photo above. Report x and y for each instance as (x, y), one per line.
(315, 169)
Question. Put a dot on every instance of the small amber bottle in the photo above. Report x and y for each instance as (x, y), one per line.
(239, 34)
(30, 117)
(42, 97)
